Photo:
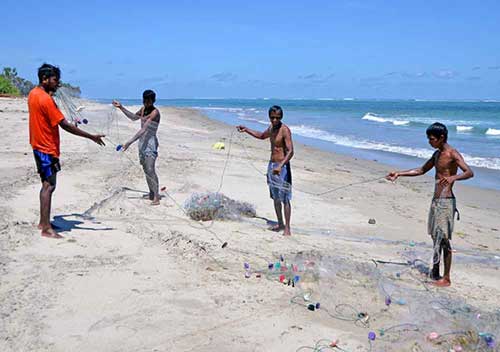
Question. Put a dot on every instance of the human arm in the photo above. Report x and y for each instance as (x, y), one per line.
(129, 114)
(69, 127)
(255, 134)
(429, 164)
(149, 122)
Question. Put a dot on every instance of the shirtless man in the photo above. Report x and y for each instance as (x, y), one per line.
(148, 142)
(279, 173)
(446, 160)
(45, 118)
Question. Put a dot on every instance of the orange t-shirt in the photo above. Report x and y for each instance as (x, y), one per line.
(45, 117)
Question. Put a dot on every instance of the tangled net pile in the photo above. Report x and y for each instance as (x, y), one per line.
(391, 305)
(216, 206)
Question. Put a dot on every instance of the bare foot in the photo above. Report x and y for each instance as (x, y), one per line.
(54, 226)
(155, 202)
(442, 283)
(276, 228)
(287, 232)
(50, 233)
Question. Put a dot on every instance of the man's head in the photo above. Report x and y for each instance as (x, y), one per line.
(49, 77)
(437, 133)
(148, 98)
(275, 115)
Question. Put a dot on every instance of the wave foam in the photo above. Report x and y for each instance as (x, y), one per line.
(464, 128)
(493, 132)
(396, 122)
(218, 108)
(252, 119)
(311, 132)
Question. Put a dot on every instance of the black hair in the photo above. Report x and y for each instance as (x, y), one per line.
(47, 71)
(277, 109)
(149, 94)
(437, 130)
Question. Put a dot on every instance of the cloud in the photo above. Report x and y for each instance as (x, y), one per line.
(475, 68)
(309, 76)
(72, 71)
(373, 79)
(39, 59)
(224, 77)
(445, 74)
(152, 81)
(473, 78)
(413, 75)
(260, 82)
(162, 79)
(494, 68)
(316, 78)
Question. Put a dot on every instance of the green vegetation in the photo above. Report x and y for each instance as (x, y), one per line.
(12, 84)
(6, 87)
(22, 85)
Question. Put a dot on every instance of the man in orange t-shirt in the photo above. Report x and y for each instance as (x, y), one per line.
(45, 119)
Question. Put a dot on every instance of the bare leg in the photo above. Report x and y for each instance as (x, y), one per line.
(436, 262)
(277, 208)
(288, 213)
(446, 280)
(151, 178)
(45, 205)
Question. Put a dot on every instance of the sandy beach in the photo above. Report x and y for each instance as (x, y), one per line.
(131, 277)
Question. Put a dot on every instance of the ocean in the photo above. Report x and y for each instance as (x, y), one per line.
(391, 132)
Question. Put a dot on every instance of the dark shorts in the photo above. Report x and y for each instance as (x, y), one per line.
(47, 166)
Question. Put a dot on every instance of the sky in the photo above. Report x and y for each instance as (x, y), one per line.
(443, 50)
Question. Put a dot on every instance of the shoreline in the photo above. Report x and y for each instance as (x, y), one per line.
(400, 161)
(485, 178)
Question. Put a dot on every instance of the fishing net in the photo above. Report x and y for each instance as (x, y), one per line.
(216, 206)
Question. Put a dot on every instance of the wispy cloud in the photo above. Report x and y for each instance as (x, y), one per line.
(316, 78)
(475, 68)
(391, 76)
(224, 77)
(260, 82)
(414, 75)
(445, 74)
(473, 78)
(39, 59)
(372, 79)
(155, 80)
(494, 68)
